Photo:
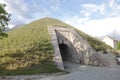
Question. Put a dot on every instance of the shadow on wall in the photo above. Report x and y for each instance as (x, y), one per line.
(64, 52)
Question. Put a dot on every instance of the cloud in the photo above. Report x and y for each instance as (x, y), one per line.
(23, 12)
(102, 8)
(110, 9)
(1, 1)
(99, 27)
(114, 5)
(15, 8)
(55, 2)
(76, 21)
(88, 9)
(55, 8)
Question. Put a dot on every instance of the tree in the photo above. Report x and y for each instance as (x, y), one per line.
(4, 19)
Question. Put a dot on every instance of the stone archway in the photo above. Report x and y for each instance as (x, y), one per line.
(79, 50)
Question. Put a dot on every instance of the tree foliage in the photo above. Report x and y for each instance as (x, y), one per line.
(4, 18)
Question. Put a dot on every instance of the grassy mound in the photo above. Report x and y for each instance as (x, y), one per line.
(28, 49)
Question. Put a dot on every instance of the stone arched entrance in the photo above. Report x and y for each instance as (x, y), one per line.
(69, 45)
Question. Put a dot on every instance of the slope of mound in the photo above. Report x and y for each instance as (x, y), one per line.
(28, 49)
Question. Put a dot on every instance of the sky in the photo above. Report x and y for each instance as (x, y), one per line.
(94, 17)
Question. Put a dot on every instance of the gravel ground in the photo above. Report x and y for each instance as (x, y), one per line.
(77, 72)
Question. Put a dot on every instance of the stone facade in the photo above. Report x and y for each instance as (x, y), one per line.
(68, 44)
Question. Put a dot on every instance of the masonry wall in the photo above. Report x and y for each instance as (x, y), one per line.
(79, 50)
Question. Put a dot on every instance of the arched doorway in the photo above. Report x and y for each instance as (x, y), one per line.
(64, 52)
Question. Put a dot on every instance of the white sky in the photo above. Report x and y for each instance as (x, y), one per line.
(100, 27)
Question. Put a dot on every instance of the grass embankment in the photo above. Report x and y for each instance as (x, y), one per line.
(28, 49)
(94, 42)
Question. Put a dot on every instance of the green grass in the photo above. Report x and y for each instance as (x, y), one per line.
(94, 42)
(41, 68)
(26, 46)
(28, 49)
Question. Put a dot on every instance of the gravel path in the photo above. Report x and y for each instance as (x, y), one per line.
(78, 72)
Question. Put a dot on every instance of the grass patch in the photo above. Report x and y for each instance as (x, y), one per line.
(44, 67)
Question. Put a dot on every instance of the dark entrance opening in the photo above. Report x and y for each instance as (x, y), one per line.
(64, 52)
